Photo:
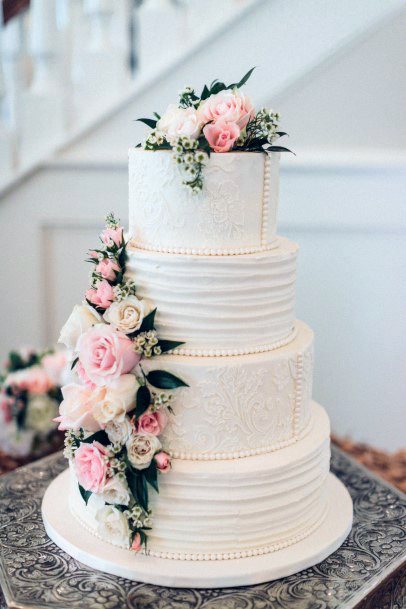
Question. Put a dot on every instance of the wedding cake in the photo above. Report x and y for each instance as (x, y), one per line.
(191, 362)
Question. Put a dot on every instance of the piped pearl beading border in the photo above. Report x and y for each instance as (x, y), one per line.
(265, 199)
(299, 390)
(242, 454)
(235, 352)
(192, 251)
(190, 556)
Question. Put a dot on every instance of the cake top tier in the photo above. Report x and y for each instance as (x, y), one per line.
(234, 213)
(205, 180)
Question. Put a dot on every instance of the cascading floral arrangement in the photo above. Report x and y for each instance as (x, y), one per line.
(221, 119)
(114, 415)
(29, 398)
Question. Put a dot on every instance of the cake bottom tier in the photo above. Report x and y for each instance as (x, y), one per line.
(225, 509)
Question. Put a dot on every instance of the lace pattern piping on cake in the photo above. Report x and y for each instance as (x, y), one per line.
(189, 556)
(265, 200)
(203, 251)
(253, 452)
(235, 352)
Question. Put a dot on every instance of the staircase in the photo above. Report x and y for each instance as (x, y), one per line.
(55, 193)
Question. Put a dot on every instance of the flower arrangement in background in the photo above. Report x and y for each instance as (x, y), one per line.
(29, 399)
(221, 119)
(115, 412)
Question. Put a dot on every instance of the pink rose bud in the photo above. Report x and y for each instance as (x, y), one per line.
(152, 422)
(93, 254)
(221, 135)
(136, 545)
(112, 236)
(102, 296)
(163, 462)
(108, 269)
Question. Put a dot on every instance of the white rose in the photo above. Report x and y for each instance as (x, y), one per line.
(114, 401)
(116, 491)
(41, 410)
(113, 526)
(141, 449)
(81, 319)
(118, 432)
(176, 122)
(126, 315)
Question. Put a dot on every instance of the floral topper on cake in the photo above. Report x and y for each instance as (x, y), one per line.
(221, 119)
(115, 413)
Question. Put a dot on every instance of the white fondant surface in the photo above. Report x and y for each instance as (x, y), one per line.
(222, 302)
(236, 406)
(236, 209)
(63, 529)
(213, 510)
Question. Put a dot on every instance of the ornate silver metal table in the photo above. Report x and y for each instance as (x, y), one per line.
(367, 572)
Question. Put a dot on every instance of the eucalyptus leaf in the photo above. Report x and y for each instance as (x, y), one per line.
(98, 436)
(85, 494)
(143, 400)
(168, 345)
(164, 380)
(150, 122)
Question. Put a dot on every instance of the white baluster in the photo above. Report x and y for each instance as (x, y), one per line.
(100, 73)
(43, 105)
(14, 79)
(6, 155)
(160, 28)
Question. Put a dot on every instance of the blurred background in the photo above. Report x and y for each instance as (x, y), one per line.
(74, 74)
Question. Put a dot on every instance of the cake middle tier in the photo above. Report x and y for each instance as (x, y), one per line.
(242, 405)
(221, 305)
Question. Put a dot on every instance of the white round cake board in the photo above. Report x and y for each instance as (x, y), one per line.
(69, 535)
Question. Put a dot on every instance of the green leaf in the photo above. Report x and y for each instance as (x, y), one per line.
(150, 122)
(143, 400)
(279, 149)
(148, 322)
(138, 486)
(243, 80)
(75, 361)
(99, 436)
(281, 133)
(168, 345)
(205, 93)
(151, 475)
(164, 380)
(156, 115)
(85, 494)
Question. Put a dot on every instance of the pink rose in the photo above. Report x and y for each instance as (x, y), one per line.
(136, 544)
(163, 462)
(112, 235)
(108, 269)
(91, 467)
(5, 408)
(102, 296)
(230, 106)
(76, 408)
(81, 372)
(34, 380)
(54, 365)
(152, 422)
(93, 254)
(106, 354)
(221, 135)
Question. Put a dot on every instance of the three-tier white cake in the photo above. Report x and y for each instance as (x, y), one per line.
(251, 450)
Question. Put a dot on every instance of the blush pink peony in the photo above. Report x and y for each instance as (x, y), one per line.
(112, 236)
(221, 135)
(102, 296)
(163, 462)
(108, 269)
(91, 467)
(230, 106)
(105, 354)
(152, 422)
